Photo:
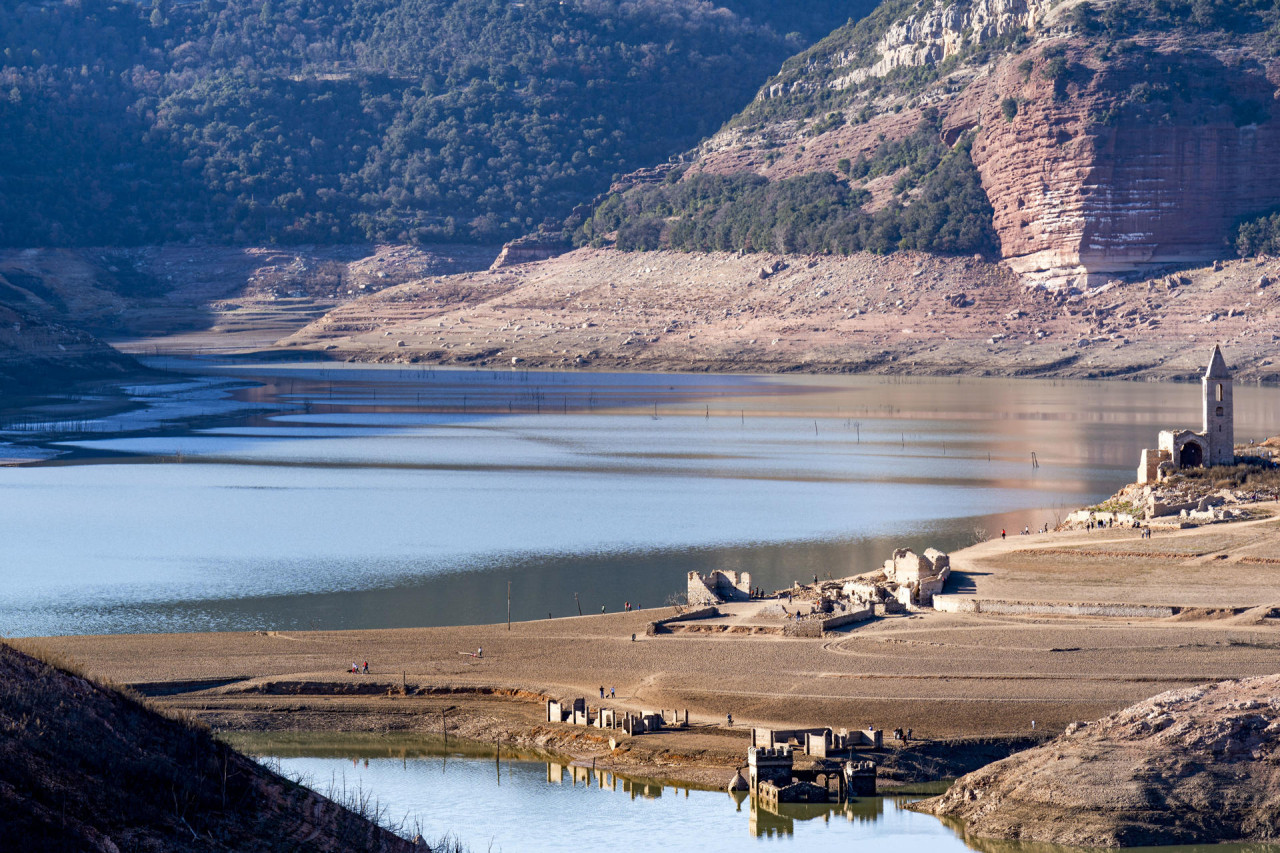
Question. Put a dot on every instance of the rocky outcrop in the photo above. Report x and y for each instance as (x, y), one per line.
(1102, 156)
(37, 355)
(527, 251)
(1190, 766)
(943, 30)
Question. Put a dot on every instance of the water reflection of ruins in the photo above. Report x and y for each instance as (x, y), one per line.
(557, 774)
(762, 821)
(779, 820)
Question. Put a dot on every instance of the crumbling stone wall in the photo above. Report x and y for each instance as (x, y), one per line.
(718, 587)
(918, 577)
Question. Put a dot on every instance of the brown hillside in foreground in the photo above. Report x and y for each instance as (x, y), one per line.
(87, 768)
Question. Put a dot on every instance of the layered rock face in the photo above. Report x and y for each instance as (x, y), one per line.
(1101, 172)
(1195, 765)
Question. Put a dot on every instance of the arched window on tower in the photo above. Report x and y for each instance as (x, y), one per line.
(1218, 411)
(1219, 396)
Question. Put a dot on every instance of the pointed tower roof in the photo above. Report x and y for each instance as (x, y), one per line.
(1217, 366)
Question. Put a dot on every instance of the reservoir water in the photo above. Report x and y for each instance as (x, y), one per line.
(249, 496)
(530, 803)
(252, 496)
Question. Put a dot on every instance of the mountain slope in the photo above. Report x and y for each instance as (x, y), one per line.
(1109, 137)
(350, 120)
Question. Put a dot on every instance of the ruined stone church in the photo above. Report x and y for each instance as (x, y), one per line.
(1215, 444)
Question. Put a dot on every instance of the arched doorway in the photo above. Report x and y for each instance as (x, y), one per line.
(1191, 455)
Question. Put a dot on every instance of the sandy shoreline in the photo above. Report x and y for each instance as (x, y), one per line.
(951, 677)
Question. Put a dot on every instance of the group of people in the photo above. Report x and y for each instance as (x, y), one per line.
(902, 735)
(356, 668)
(1026, 530)
(613, 693)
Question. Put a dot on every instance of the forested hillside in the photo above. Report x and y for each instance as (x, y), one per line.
(343, 120)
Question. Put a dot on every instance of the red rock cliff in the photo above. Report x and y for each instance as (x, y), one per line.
(1143, 159)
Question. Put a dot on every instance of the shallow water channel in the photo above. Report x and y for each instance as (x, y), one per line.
(527, 802)
(260, 496)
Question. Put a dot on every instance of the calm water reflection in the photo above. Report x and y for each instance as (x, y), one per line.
(371, 497)
(532, 803)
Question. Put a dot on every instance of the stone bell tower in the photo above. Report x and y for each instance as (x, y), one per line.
(1219, 415)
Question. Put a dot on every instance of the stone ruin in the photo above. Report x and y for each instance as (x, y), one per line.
(914, 579)
(1161, 508)
(773, 778)
(718, 587)
(906, 582)
(819, 743)
(579, 713)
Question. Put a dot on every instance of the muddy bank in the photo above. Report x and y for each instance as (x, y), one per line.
(701, 754)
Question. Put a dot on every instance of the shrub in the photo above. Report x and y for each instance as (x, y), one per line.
(1259, 236)
(945, 210)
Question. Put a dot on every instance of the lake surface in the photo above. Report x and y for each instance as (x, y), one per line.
(530, 803)
(252, 496)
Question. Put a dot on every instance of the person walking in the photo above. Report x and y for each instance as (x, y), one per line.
(1001, 532)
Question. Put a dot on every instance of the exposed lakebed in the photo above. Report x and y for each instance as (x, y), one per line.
(336, 496)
